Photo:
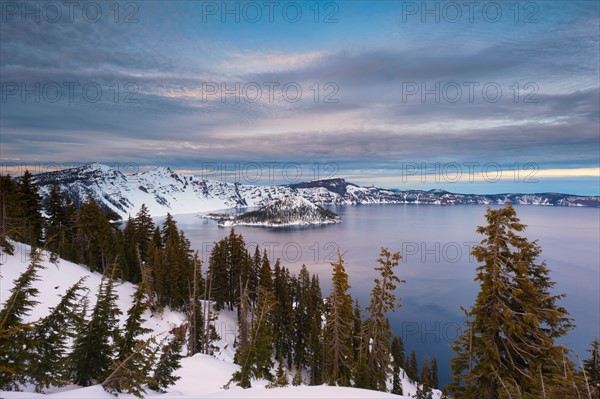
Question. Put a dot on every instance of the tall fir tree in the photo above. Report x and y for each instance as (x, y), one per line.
(10, 212)
(377, 331)
(413, 367)
(169, 361)
(315, 336)
(30, 204)
(434, 378)
(591, 367)
(516, 319)
(53, 333)
(94, 237)
(16, 338)
(338, 327)
(397, 352)
(255, 357)
(96, 344)
(134, 323)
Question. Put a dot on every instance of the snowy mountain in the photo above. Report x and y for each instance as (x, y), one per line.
(286, 211)
(163, 190)
(202, 376)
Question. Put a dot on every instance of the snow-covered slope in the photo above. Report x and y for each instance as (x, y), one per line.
(202, 376)
(163, 190)
(286, 211)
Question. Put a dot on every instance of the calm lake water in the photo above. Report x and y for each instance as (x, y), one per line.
(435, 242)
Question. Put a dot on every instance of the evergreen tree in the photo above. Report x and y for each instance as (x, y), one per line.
(132, 373)
(301, 318)
(9, 213)
(94, 237)
(426, 376)
(280, 376)
(297, 380)
(49, 366)
(255, 357)
(130, 270)
(282, 313)
(338, 327)
(95, 345)
(515, 317)
(169, 361)
(30, 206)
(434, 379)
(413, 367)
(315, 336)
(56, 223)
(397, 352)
(144, 229)
(463, 384)
(133, 325)
(377, 329)
(177, 260)
(591, 367)
(16, 338)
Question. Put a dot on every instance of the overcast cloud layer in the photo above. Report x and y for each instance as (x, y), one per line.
(362, 79)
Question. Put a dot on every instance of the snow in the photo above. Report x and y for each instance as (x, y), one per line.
(202, 376)
(162, 190)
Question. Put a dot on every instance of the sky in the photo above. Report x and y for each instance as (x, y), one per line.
(481, 97)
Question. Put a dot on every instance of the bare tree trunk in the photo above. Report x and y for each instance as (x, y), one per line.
(193, 333)
(207, 320)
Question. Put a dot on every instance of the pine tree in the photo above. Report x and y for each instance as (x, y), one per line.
(377, 330)
(133, 325)
(56, 223)
(144, 229)
(282, 313)
(413, 367)
(177, 259)
(16, 338)
(515, 318)
(397, 352)
(94, 237)
(255, 357)
(196, 310)
(53, 333)
(338, 327)
(426, 376)
(591, 369)
(315, 335)
(31, 207)
(301, 318)
(297, 380)
(434, 379)
(95, 345)
(132, 373)
(10, 225)
(280, 376)
(169, 361)
(463, 384)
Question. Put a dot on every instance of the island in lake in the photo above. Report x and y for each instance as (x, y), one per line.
(288, 211)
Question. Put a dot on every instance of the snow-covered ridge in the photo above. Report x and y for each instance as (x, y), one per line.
(202, 376)
(288, 211)
(163, 190)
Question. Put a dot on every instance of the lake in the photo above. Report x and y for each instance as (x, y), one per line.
(435, 243)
